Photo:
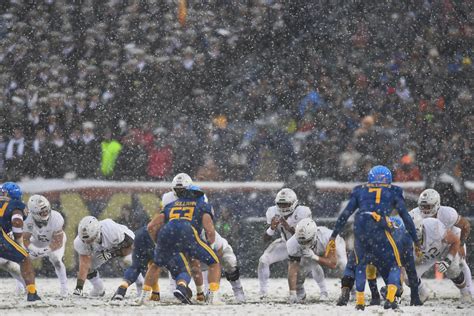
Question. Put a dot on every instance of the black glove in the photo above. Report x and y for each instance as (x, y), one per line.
(443, 265)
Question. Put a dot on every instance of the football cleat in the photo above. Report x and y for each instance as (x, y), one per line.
(155, 296)
(119, 294)
(239, 295)
(360, 307)
(375, 300)
(344, 298)
(392, 305)
(183, 293)
(200, 297)
(324, 296)
(31, 297)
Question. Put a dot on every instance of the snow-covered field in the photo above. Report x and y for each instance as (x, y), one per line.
(444, 302)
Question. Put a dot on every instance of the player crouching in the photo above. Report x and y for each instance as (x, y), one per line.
(309, 248)
(44, 236)
(96, 243)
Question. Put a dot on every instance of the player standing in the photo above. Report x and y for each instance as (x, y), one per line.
(282, 218)
(12, 214)
(307, 248)
(96, 243)
(44, 236)
(375, 201)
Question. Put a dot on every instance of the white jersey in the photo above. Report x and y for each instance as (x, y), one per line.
(320, 241)
(41, 236)
(299, 213)
(112, 234)
(433, 247)
(219, 243)
(170, 197)
(447, 215)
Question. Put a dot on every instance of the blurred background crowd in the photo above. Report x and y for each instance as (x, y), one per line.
(236, 90)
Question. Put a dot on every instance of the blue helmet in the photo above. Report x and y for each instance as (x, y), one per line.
(379, 174)
(195, 191)
(12, 189)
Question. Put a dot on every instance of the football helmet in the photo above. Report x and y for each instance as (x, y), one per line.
(305, 231)
(379, 174)
(40, 208)
(418, 221)
(429, 203)
(89, 229)
(181, 181)
(286, 201)
(12, 190)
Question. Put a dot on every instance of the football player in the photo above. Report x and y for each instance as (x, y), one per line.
(282, 218)
(44, 236)
(12, 214)
(96, 243)
(307, 249)
(373, 202)
(439, 245)
(429, 205)
(176, 231)
(228, 263)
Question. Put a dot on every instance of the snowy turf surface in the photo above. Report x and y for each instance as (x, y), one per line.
(444, 302)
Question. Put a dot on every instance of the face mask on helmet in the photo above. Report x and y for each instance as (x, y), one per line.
(286, 201)
(429, 203)
(305, 231)
(180, 183)
(40, 208)
(89, 229)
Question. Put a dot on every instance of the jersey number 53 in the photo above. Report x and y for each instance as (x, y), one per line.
(182, 212)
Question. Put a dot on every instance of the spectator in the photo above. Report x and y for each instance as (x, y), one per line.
(407, 170)
(15, 156)
(160, 157)
(110, 151)
(89, 155)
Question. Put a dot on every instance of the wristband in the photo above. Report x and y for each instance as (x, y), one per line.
(270, 231)
(450, 257)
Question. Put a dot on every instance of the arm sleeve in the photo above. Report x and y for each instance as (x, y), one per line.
(402, 211)
(344, 216)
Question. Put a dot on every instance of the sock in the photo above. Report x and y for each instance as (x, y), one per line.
(213, 287)
(263, 276)
(199, 289)
(236, 284)
(60, 270)
(97, 282)
(31, 288)
(156, 287)
(391, 291)
(360, 299)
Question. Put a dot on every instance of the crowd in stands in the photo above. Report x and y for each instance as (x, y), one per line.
(235, 90)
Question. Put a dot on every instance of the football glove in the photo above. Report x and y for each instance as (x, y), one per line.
(443, 265)
(331, 246)
(38, 252)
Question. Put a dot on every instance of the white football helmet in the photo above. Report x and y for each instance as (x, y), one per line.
(429, 203)
(181, 180)
(40, 208)
(286, 201)
(305, 232)
(89, 229)
(418, 221)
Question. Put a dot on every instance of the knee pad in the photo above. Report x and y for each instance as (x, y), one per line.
(233, 276)
(459, 281)
(92, 275)
(347, 281)
(371, 272)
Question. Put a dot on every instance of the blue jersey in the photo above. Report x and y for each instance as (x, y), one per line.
(189, 210)
(377, 199)
(6, 212)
